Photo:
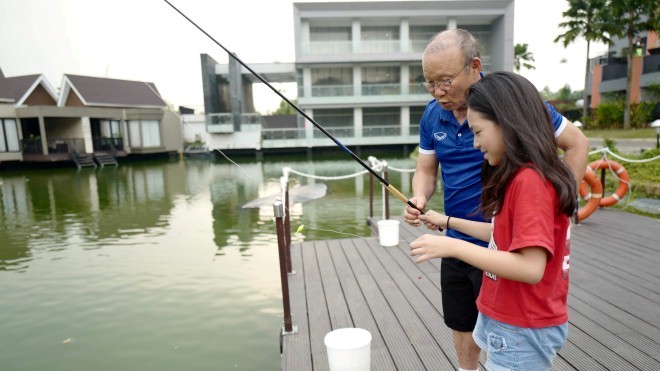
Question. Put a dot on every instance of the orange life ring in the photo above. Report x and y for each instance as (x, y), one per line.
(621, 174)
(593, 197)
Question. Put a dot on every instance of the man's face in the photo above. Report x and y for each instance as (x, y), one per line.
(450, 78)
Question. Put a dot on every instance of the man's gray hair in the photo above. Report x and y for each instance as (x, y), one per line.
(460, 38)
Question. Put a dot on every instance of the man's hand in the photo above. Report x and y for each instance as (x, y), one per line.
(411, 215)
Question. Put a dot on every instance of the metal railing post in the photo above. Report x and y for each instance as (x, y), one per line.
(371, 195)
(281, 244)
(602, 181)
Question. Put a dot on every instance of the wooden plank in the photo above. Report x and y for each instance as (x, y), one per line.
(613, 299)
(337, 303)
(601, 333)
(296, 350)
(405, 275)
(359, 308)
(390, 328)
(423, 344)
(317, 309)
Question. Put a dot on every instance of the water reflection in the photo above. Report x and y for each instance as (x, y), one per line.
(41, 209)
(156, 264)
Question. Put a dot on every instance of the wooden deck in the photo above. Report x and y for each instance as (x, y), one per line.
(614, 303)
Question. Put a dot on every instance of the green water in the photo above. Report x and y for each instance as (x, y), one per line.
(155, 266)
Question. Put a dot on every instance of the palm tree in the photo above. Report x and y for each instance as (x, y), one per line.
(522, 57)
(629, 17)
(587, 19)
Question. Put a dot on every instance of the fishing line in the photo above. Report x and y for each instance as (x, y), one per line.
(382, 180)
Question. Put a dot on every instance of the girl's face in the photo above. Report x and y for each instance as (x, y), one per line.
(487, 137)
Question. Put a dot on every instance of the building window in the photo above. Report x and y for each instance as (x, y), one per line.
(110, 129)
(331, 82)
(415, 119)
(381, 121)
(381, 81)
(338, 122)
(9, 136)
(144, 133)
(421, 35)
(329, 40)
(379, 39)
(483, 34)
(415, 76)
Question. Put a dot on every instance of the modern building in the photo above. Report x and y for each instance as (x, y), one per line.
(357, 69)
(608, 72)
(92, 121)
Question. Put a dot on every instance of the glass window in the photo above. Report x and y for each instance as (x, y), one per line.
(415, 119)
(144, 133)
(329, 33)
(381, 81)
(9, 136)
(134, 133)
(415, 75)
(370, 33)
(331, 82)
(338, 122)
(150, 133)
(421, 35)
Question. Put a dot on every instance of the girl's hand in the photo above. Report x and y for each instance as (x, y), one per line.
(434, 220)
(431, 246)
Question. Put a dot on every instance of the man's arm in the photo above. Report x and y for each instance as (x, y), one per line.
(423, 186)
(576, 150)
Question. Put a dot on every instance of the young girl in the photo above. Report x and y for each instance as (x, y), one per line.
(530, 196)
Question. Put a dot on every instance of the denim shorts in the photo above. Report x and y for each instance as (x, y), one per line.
(513, 348)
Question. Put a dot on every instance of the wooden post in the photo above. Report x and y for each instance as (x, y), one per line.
(287, 228)
(281, 244)
(387, 194)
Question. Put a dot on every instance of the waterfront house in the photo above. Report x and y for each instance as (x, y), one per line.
(91, 121)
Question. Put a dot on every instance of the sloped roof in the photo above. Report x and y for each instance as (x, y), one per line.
(98, 91)
(17, 89)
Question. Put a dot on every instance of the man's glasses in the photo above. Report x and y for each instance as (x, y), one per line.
(444, 85)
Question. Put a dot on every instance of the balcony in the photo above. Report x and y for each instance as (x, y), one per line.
(651, 63)
(381, 89)
(327, 47)
(223, 123)
(615, 69)
(332, 90)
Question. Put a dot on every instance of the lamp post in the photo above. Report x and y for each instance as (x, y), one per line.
(656, 124)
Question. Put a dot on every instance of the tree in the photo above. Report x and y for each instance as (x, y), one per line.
(629, 18)
(521, 55)
(587, 19)
(285, 109)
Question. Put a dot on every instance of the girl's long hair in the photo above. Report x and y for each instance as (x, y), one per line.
(513, 103)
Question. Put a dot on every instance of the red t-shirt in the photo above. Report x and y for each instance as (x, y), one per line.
(529, 217)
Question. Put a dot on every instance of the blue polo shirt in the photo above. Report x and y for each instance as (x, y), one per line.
(460, 163)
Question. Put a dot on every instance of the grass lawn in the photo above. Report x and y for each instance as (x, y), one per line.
(621, 133)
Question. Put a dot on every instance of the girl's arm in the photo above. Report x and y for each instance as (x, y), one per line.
(525, 265)
(480, 230)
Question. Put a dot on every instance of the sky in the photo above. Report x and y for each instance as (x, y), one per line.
(146, 40)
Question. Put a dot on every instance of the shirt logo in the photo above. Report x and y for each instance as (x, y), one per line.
(440, 135)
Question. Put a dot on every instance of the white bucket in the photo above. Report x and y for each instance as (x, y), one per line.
(388, 232)
(349, 349)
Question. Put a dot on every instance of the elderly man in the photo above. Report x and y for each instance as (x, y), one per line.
(451, 64)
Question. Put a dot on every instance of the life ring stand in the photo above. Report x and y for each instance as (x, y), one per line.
(593, 196)
(621, 174)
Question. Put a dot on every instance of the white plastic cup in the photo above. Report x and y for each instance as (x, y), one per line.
(388, 232)
(349, 349)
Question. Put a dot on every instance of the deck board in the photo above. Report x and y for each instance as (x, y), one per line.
(614, 299)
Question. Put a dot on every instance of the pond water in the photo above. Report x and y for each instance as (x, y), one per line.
(155, 265)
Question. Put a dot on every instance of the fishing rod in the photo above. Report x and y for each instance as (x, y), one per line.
(385, 183)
